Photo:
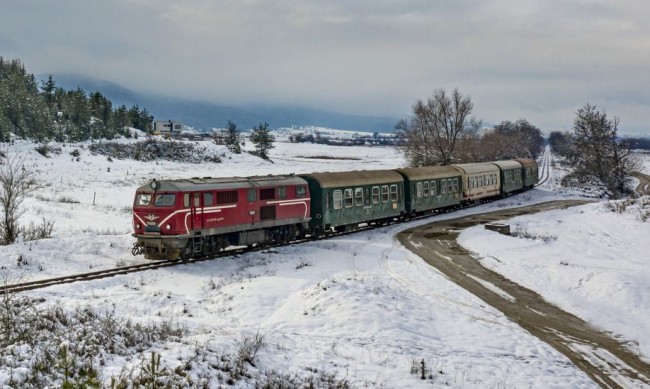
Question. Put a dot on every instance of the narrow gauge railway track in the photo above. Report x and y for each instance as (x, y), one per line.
(545, 171)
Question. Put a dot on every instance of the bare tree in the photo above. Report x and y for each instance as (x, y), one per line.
(16, 181)
(437, 125)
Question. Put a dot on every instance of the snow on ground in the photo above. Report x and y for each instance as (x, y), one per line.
(360, 306)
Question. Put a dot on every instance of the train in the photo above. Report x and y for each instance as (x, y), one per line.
(182, 219)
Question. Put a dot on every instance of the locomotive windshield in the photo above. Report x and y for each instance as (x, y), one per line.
(143, 199)
(165, 199)
(161, 200)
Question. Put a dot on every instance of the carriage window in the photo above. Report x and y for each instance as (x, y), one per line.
(186, 200)
(426, 189)
(450, 186)
(282, 192)
(456, 189)
(433, 188)
(338, 199)
(393, 193)
(358, 197)
(267, 194)
(443, 187)
(228, 197)
(252, 196)
(384, 193)
(301, 192)
(165, 199)
(143, 199)
(418, 190)
(375, 195)
(207, 199)
(347, 198)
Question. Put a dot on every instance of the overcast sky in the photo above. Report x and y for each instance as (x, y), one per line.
(540, 60)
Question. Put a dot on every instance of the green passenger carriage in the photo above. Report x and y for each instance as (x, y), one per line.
(530, 172)
(342, 200)
(431, 188)
(511, 176)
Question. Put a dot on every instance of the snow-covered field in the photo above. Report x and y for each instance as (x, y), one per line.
(361, 307)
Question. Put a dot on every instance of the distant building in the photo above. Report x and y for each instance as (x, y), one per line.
(169, 127)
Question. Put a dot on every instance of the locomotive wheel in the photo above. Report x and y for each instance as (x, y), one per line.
(172, 254)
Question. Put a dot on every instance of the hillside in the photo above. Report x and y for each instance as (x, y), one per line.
(353, 311)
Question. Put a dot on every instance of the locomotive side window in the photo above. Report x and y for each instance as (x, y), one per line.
(207, 199)
(358, 197)
(186, 200)
(197, 199)
(393, 192)
(143, 199)
(347, 198)
(384, 193)
(418, 190)
(301, 192)
(228, 197)
(282, 192)
(165, 199)
(267, 194)
(252, 196)
(338, 199)
(375, 195)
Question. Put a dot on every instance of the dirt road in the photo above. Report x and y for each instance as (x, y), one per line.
(644, 184)
(608, 362)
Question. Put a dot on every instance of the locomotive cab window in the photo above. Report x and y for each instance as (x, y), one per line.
(301, 192)
(207, 199)
(143, 199)
(252, 195)
(165, 199)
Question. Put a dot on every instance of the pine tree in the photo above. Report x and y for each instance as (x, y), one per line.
(262, 139)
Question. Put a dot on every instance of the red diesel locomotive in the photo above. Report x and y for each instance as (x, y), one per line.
(185, 218)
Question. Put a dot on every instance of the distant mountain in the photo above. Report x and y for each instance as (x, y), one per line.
(203, 115)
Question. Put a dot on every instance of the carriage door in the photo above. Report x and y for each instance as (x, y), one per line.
(197, 211)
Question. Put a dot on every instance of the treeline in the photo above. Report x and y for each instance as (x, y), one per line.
(47, 112)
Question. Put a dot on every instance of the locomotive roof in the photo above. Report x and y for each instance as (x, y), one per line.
(428, 172)
(510, 164)
(354, 178)
(473, 168)
(217, 183)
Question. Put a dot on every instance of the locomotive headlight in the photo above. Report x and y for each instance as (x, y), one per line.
(137, 226)
(168, 227)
